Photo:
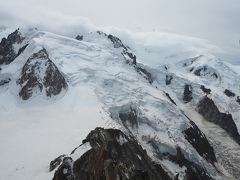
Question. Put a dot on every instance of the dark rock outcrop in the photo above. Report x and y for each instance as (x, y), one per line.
(4, 81)
(79, 37)
(199, 70)
(187, 94)
(168, 79)
(65, 171)
(143, 72)
(238, 100)
(40, 73)
(7, 53)
(199, 141)
(56, 162)
(193, 170)
(205, 90)
(169, 97)
(210, 112)
(127, 54)
(131, 56)
(129, 118)
(101, 33)
(117, 43)
(204, 71)
(113, 156)
(229, 93)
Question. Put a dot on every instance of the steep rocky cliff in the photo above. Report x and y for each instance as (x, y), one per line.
(40, 74)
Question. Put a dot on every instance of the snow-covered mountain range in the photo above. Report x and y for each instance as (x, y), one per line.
(93, 106)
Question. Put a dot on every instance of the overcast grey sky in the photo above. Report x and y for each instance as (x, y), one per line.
(215, 20)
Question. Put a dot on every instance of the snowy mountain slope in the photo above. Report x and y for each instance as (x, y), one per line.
(107, 87)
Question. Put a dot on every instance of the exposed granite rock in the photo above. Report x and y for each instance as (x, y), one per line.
(205, 90)
(40, 73)
(117, 43)
(56, 162)
(193, 170)
(169, 97)
(65, 171)
(4, 81)
(7, 53)
(238, 99)
(187, 94)
(129, 56)
(143, 72)
(79, 37)
(229, 93)
(210, 112)
(113, 156)
(101, 33)
(168, 79)
(199, 70)
(199, 141)
(204, 71)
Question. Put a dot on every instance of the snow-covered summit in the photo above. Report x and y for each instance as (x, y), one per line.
(55, 89)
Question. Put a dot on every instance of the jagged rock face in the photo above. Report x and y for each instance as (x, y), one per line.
(168, 79)
(199, 141)
(4, 81)
(56, 162)
(40, 73)
(205, 90)
(131, 119)
(7, 53)
(169, 97)
(144, 73)
(210, 112)
(187, 94)
(113, 156)
(193, 171)
(129, 56)
(229, 93)
(238, 99)
(117, 43)
(205, 71)
(79, 37)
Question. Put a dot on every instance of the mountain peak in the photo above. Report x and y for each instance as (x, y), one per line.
(173, 120)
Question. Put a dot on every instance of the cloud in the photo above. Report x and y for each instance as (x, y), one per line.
(215, 20)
